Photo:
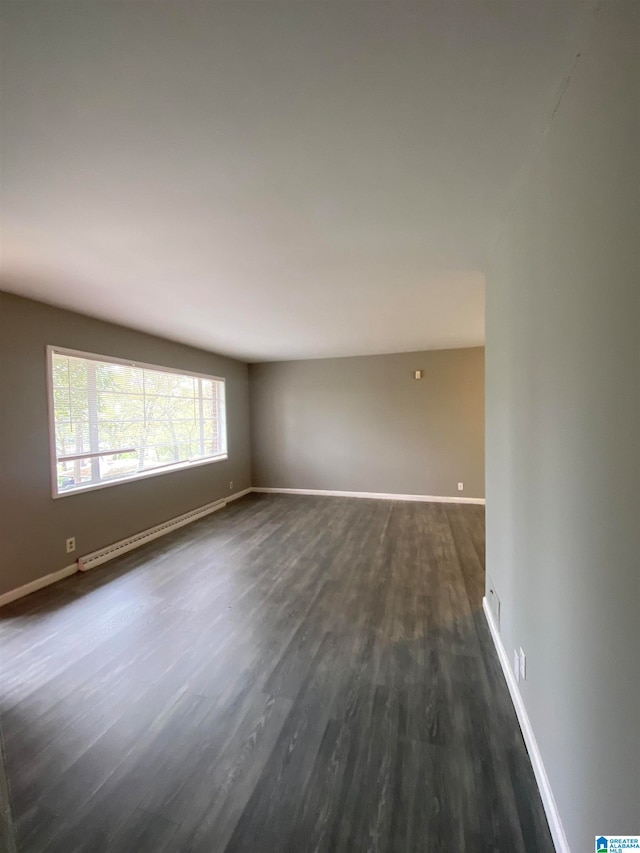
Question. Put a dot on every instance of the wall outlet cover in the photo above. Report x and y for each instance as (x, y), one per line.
(516, 665)
(493, 601)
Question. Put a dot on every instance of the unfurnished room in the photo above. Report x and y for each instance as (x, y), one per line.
(319, 426)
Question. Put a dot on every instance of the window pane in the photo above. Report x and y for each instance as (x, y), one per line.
(130, 419)
(118, 465)
(73, 474)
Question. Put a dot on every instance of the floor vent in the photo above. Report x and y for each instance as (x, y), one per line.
(89, 561)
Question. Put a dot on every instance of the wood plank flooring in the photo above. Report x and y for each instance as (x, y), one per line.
(289, 674)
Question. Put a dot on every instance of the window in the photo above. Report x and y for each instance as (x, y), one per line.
(113, 420)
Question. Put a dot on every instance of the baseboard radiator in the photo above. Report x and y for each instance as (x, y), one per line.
(102, 555)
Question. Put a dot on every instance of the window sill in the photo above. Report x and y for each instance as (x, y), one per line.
(182, 466)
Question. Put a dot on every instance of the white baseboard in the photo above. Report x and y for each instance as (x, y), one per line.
(237, 495)
(382, 496)
(39, 583)
(153, 533)
(548, 800)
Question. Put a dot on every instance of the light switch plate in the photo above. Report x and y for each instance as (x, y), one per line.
(523, 665)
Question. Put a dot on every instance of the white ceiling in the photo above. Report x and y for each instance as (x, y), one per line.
(272, 180)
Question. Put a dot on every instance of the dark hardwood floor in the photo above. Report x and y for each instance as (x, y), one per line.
(289, 674)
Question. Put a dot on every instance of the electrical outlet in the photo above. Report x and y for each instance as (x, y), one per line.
(516, 665)
(523, 665)
(460, 487)
(71, 544)
(230, 484)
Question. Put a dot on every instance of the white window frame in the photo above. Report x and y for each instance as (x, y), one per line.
(169, 469)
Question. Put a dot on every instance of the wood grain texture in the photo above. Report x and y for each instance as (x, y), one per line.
(289, 674)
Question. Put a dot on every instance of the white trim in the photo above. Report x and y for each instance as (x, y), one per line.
(53, 450)
(39, 583)
(237, 495)
(382, 496)
(141, 538)
(544, 786)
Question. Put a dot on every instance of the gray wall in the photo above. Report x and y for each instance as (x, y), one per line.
(563, 435)
(366, 425)
(33, 526)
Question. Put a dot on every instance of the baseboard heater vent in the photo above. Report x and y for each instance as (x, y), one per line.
(90, 561)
